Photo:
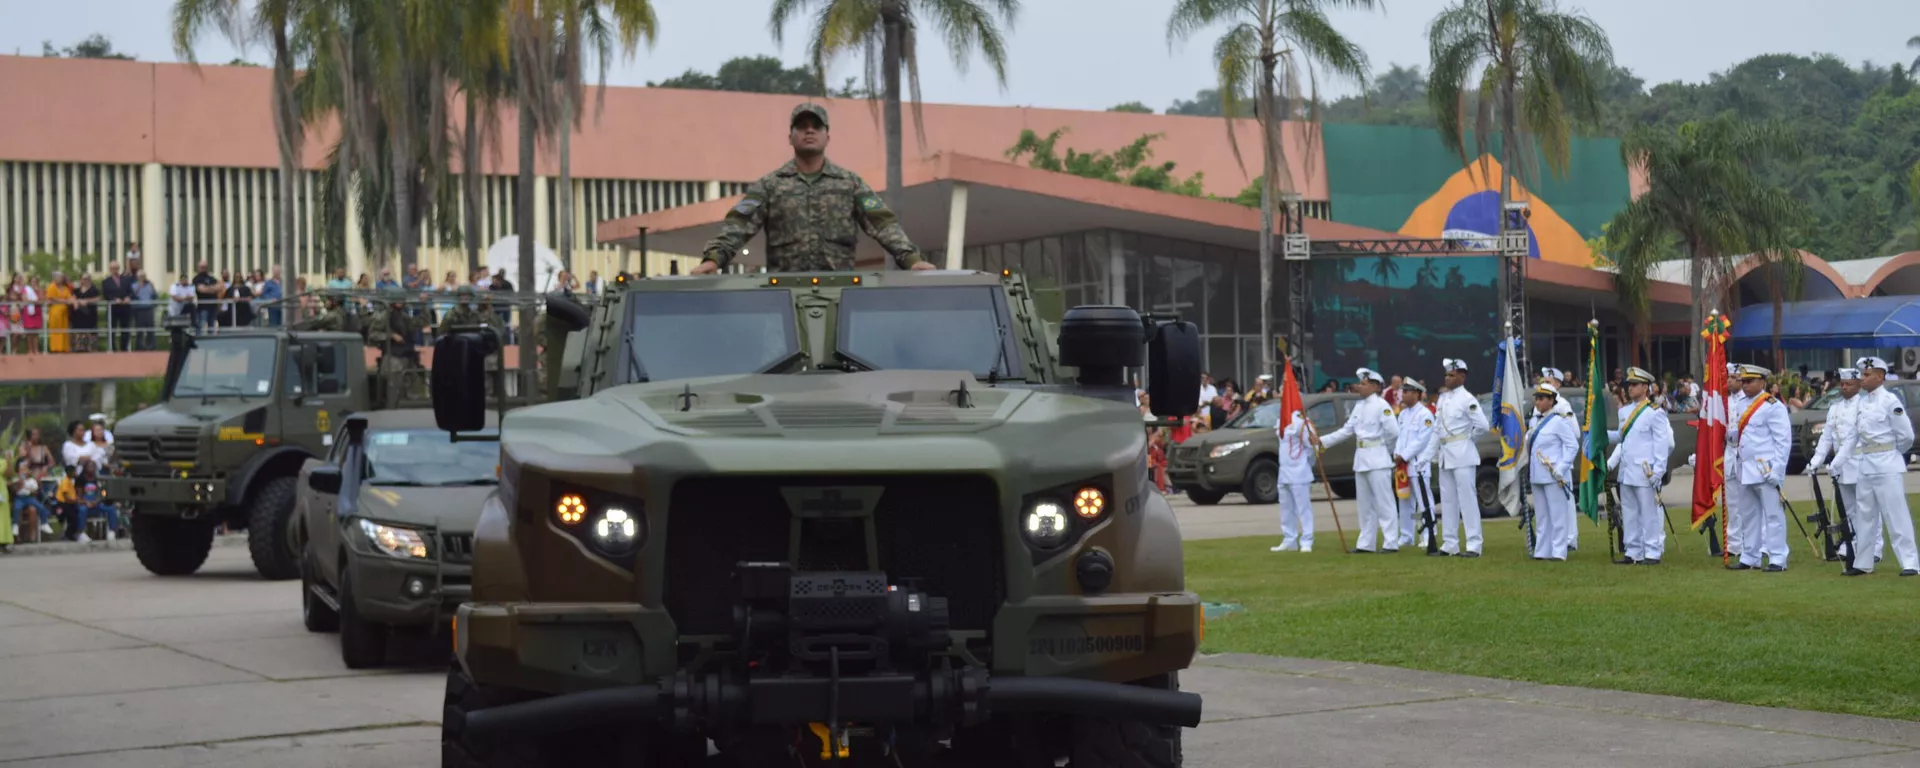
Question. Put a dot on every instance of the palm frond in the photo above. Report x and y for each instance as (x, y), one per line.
(1236, 63)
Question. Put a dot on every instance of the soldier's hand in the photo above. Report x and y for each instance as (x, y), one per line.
(706, 268)
(920, 266)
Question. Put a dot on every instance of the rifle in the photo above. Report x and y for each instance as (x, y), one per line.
(1788, 506)
(1821, 519)
(1430, 524)
(1846, 522)
(1526, 513)
(1616, 527)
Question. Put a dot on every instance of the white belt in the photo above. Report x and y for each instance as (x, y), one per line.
(1368, 443)
(1452, 438)
(1877, 448)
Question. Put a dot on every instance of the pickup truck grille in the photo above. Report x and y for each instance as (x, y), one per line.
(1186, 454)
(456, 547)
(943, 530)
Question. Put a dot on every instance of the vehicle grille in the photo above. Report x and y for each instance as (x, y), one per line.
(161, 448)
(943, 530)
(1186, 454)
(456, 548)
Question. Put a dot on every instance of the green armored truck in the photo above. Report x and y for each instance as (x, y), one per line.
(880, 518)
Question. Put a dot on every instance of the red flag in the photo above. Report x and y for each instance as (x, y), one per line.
(1290, 401)
(1711, 442)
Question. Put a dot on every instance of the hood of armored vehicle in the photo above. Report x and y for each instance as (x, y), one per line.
(449, 508)
(183, 416)
(870, 421)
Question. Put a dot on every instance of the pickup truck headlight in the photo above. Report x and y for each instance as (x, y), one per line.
(405, 543)
(1226, 448)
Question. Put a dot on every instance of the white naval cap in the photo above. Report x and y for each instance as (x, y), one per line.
(1849, 374)
(1450, 365)
(1639, 376)
(1754, 372)
(1413, 384)
(1871, 362)
(1368, 374)
(1733, 369)
(1546, 390)
(1553, 373)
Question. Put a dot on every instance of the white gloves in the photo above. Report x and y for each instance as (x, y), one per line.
(1814, 467)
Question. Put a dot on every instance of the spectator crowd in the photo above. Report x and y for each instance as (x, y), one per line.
(54, 490)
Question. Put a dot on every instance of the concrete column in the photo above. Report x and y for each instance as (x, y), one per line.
(542, 228)
(713, 191)
(1117, 272)
(356, 247)
(957, 226)
(153, 227)
(109, 398)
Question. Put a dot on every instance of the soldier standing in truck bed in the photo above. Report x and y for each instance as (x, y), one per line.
(812, 210)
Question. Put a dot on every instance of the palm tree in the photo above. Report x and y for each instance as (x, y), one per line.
(1385, 269)
(1705, 190)
(590, 26)
(479, 66)
(1269, 47)
(274, 20)
(1914, 42)
(885, 33)
(1428, 276)
(1532, 64)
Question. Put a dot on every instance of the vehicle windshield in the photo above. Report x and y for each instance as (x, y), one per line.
(945, 328)
(1825, 401)
(1267, 416)
(428, 457)
(230, 367)
(690, 334)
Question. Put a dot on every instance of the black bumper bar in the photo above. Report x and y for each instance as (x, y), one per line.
(959, 698)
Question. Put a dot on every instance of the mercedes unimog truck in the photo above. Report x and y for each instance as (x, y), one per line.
(883, 518)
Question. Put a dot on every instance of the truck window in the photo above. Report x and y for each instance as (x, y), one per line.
(1323, 415)
(945, 328)
(330, 369)
(230, 367)
(689, 334)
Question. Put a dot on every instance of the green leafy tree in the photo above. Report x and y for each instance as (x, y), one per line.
(750, 74)
(1706, 192)
(1128, 165)
(96, 46)
(886, 34)
(1269, 48)
(1131, 106)
(590, 27)
(1207, 103)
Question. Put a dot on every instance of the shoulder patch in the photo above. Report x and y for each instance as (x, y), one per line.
(869, 201)
(1897, 410)
(1473, 406)
(1429, 422)
(746, 207)
(1389, 411)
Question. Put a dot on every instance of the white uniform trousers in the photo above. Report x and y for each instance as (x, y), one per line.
(1460, 509)
(1733, 497)
(1373, 490)
(1413, 511)
(1762, 524)
(1296, 516)
(1552, 516)
(1885, 502)
(1643, 522)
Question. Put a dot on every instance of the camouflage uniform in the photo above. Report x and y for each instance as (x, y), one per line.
(330, 320)
(396, 357)
(464, 314)
(812, 224)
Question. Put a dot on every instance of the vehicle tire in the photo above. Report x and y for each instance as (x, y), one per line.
(269, 513)
(1344, 488)
(1486, 492)
(1795, 464)
(620, 746)
(1262, 484)
(314, 612)
(171, 546)
(1099, 742)
(363, 644)
(1205, 498)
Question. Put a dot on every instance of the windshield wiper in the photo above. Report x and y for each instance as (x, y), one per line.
(470, 481)
(993, 374)
(392, 482)
(634, 370)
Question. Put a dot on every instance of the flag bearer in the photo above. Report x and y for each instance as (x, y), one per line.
(1296, 485)
(1372, 426)
(1762, 438)
(1846, 476)
(1638, 461)
(1460, 421)
(1552, 446)
(1415, 448)
(1736, 398)
(1881, 437)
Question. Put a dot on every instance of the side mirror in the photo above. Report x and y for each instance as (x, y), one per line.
(324, 479)
(457, 382)
(356, 431)
(1173, 369)
(1103, 341)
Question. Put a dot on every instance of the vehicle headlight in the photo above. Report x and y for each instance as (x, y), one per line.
(1817, 428)
(1046, 525)
(398, 542)
(616, 530)
(611, 524)
(1226, 448)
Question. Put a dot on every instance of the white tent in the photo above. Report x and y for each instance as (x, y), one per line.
(505, 254)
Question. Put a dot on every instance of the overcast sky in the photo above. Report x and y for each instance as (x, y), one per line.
(1092, 54)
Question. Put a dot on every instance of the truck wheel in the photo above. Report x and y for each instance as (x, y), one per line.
(620, 746)
(363, 644)
(314, 611)
(1205, 498)
(1486, 491)
(1099, 742)
(1262, 485)
(1344, 488)
(269, 513)
(171, 546)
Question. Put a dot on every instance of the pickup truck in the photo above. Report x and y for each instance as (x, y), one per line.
(1810, 421)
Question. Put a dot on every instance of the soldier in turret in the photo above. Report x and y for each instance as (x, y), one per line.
(333, 319)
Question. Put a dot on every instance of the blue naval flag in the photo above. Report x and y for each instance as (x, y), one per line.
(1509, 398)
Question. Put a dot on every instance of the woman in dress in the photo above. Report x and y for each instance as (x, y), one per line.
(86, 313)
(59, 311)
(29, 316)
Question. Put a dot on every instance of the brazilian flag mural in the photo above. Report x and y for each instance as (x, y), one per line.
(1402, 179)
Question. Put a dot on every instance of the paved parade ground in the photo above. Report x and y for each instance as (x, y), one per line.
(102, 664)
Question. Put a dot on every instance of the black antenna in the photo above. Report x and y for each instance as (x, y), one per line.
(961, 397)
(686, 398)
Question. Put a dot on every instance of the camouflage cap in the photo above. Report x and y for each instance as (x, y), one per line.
(809, 108)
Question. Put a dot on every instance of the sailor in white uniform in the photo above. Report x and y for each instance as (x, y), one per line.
(1637, 462)
(1881, 437)
(1460, 421)
(1414, 447)
(1552, 445)
(1736, 398)
(1846, 475)
(1762, 437)
(1558, 379)
(1374, 430)
(1296, 485)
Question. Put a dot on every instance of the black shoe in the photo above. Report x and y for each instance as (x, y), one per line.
(1469, 554)
(1910, 572)
(1775, 568)
(1363, 551)
(1394, 551)
(1738, 566)
(1650, 561)
(1626, 561)
(1438, 553)
(1852, 571)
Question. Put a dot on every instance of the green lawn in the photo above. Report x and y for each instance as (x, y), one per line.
(1807, 638)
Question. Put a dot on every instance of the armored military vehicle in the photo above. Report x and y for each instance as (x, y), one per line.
(880, 518)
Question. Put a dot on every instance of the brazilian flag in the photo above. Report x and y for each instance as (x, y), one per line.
(1592, 474)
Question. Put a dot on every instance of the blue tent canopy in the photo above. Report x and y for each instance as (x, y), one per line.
(1869, 323)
